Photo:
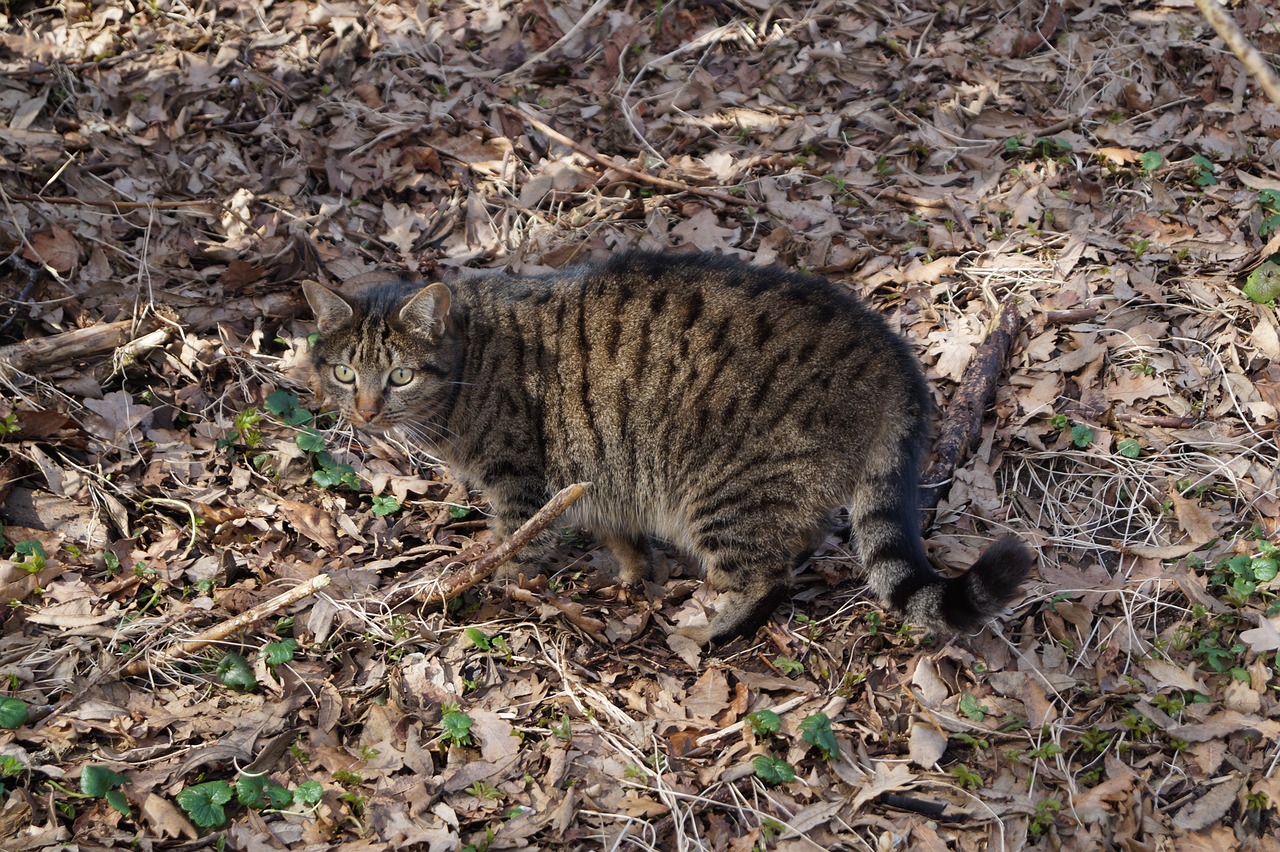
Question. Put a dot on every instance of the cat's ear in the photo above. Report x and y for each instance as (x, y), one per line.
(427, 309)
(331, 309)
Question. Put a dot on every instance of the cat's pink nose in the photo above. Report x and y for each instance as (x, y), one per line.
(368, 409)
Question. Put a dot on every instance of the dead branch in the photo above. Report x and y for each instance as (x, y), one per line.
(482, 565)
(221, 631)
(962, 422)
(1253, 61)
(1071, 315)
(634, 174)
(41, 353)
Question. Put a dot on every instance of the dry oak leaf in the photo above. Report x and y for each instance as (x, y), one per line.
(1196, 521)
(115, 418)
(1176, 677)
(926, 745)
(1203, 811)
(1265, 637)
(55, 247)
(311, 522)
(886, 779)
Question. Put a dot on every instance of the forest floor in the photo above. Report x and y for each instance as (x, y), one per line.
(170, 172)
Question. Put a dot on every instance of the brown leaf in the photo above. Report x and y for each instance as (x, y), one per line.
(311, 522)
(56, 247)
(1207, 809)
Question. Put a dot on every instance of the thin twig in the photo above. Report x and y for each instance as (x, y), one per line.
(1253, 61)
(221, 631)
(119, 205)
(439, 594)
(574, 30)
(635, 174)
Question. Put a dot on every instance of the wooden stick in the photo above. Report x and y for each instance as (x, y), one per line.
(962, 424)
(1253, 61)
(42, 352)
(221, 631)
(439, 594)
(635, 174)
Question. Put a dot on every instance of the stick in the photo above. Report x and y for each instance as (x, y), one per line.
(962, 425)
(635, 174)
(1253, 61)
(439, 594)
(221, 631)
(39, 353)
(564, 39)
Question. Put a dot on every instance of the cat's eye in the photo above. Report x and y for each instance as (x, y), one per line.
(400, 376)
(344, 374)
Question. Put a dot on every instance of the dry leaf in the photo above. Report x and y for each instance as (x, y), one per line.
(1202, 811)
(926, 745)
(887, 778)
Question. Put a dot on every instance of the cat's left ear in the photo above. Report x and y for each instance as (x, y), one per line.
(331, 309)
(427, 309)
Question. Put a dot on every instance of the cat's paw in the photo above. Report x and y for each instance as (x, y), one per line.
(512, 571)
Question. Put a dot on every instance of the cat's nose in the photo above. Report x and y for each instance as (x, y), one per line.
(368, 409)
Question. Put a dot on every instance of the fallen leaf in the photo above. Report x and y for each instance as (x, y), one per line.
(886, 778)
(1204, 810)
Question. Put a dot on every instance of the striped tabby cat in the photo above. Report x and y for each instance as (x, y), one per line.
(725, 408)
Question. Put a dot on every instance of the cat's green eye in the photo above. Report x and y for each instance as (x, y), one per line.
(344, 374)
(400, 376)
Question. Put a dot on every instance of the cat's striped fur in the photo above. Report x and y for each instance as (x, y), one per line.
(725, 408)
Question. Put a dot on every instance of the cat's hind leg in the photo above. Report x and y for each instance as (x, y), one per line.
(634, 555)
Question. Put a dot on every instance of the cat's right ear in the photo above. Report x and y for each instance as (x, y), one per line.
(427, 309)
(330, 309)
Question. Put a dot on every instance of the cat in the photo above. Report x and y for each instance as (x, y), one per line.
(727, 409)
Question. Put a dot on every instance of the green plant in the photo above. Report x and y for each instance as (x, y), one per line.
(1263, 284)
(1203, 171)
(1150, 161)
(966, 777)
(816, 731)
(278, 653)
(972, 708)
(773, 770)
(1129, 448)
(13, 713)
(1045, 816)
(99, 782)
(764, 723)
(455, 727)
(203, 803)
(10, 766)
(30, 555)
(385, 504)
(260, 792)
(972, 742)
(484, 790)
(1269, 201)
(235, 671)
(786, 665)
(1095, 741)
(9, 425)
(1139, 247)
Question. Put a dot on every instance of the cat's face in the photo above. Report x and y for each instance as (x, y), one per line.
(383, 359)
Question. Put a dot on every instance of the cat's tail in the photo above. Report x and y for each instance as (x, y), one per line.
(885, 519)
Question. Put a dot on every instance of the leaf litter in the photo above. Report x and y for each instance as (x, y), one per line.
(1106, 167)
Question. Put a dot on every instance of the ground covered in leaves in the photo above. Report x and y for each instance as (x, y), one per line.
(170, 171)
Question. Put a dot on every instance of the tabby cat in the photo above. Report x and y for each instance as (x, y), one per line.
(727, 409)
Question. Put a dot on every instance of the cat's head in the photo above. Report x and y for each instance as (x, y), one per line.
(384, 358)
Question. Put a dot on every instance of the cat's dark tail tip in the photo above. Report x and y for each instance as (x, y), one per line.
(970, 600)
